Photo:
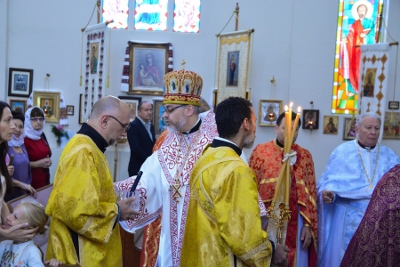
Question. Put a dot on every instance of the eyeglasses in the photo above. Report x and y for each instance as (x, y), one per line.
(169, 111)
(37, 119)
(125, 126)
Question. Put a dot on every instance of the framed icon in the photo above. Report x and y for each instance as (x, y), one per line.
(20, 82)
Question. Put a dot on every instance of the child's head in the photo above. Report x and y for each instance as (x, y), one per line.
(29, 212)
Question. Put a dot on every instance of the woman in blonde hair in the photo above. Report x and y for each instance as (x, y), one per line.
(25, 253)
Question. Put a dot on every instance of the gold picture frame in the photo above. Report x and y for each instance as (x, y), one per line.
(50, 103)
(18, 105)
(391, 125)
(233, 61)
(133, 103)
(331, 124)
(148, 65)
(269, 112)
(349, 129)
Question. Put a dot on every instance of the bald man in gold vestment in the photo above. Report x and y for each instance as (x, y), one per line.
(84, 227)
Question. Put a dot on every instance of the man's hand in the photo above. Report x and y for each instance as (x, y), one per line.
(306, 236)
(328, 196)
(280, 255)
(127, 213)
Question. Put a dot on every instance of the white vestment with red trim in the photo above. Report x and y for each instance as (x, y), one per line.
(176, 156)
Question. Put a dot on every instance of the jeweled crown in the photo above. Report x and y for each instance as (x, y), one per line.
(182, 87)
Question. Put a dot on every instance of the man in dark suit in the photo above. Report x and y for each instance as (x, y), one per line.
(141, 137)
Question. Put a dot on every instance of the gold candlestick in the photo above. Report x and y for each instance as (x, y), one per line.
(283, 214)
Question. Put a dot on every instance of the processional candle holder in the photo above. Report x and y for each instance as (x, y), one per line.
(282, 215)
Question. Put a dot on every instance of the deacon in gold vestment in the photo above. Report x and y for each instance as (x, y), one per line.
(224, 223)
(84, 228)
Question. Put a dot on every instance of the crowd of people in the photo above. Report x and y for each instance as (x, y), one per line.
(200, 202)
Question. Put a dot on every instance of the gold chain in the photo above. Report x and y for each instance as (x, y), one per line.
(376, 164)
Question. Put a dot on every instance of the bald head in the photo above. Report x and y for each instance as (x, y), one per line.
(110, 118)
(107, 105)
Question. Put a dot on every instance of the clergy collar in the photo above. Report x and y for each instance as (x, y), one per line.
(278, 143)
(365, 147)
(219, 141)
(195, 127)
(100, 142)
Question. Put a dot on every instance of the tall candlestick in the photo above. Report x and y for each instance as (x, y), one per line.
(288, 127)
(287, 183)
(285, 131)
(278, 185)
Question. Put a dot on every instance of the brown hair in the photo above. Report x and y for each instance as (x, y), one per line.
(37, 112)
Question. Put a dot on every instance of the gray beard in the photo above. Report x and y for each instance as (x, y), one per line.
(178, 127)
(112, 142)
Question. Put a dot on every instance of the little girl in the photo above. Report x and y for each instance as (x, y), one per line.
(26, 253)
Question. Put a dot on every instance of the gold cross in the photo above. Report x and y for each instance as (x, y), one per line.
(183, 64)
(176, 194)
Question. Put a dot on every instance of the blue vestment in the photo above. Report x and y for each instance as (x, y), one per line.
(345, 176)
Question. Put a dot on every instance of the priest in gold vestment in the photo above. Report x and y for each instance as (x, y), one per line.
(84, 227)
(301, 231)
(224, 223)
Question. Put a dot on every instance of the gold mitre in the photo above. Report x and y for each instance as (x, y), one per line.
(182, 87)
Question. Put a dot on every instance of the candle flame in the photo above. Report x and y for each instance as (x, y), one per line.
(291, 104)
(286, 108)
(299, 109)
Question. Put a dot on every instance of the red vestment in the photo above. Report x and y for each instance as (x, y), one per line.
(266, 161)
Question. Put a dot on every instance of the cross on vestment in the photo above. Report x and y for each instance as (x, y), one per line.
(176, 194)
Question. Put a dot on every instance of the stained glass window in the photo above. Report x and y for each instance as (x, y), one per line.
(187, 16)
(151, 15)
(115, 12)
(358, 24)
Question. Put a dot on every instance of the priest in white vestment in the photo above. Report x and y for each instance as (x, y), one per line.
(346, 187)
(164, 185)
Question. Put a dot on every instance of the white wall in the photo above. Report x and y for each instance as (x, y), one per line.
(294, 41)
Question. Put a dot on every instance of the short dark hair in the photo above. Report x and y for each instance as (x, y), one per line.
(282, 115)
(141, 104)
(230, 114)
(37, 112)
(18, 115)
